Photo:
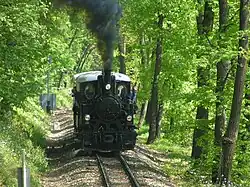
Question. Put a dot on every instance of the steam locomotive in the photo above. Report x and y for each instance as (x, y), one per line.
(103, 110)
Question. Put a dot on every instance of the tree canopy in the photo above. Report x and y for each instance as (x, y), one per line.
(194, 39)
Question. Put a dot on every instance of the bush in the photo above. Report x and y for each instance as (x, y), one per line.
(63, 98)
(22, 128)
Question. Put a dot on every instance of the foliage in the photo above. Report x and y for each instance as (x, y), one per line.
(30, 32)
(22, 45)
(177, 164)
(64, 98)
(178, 78)
(33, 30)
(29, 125)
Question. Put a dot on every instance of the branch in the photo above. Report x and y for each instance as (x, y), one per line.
(209, 42)
(78, 62)
(73, 38)
(86, 56)
(231, 19)
(228, 72)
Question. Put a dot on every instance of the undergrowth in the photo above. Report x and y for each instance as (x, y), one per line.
(185, 172)
(22, 128)
(64, 98)
(178, 164)
(26, 128)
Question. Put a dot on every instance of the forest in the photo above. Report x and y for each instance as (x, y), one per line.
(188, 60)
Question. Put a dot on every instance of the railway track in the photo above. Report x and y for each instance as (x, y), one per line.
(124, 173)
(107, 170)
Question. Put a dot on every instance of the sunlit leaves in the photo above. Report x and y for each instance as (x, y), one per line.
(30, 32)
(22, 46)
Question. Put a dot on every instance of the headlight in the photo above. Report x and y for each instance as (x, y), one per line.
(87, 117)
(108, 86)
(129, 118)
(89, 91)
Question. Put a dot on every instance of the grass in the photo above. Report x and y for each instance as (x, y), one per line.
(23, 128)
(26, 128)
(178, 164)
(63, 98)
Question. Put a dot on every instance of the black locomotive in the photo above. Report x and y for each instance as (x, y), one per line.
(104, 106)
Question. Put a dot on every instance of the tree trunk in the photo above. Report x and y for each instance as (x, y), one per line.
(73, 38)
(245, 135)
(171, 123)
(122, 52)
(70, 45)
(222, 71)
(199, 132)
(149, 53)
(201, 117)
(154, 92)
(84, 58)
(148, 117)
(230, 137)
(142, 50)
(158, 120)
(142, 114)
(122, 49)
(204, 26)
(79, 61)
(60, 80)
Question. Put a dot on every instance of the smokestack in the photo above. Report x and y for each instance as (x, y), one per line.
(103, 17)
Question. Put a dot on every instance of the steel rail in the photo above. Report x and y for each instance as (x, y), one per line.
(129, 173)
(105, 177)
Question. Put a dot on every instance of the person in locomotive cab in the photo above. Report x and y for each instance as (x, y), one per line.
(134, 94)
(73, 92)
(74, 108)
(132, 97)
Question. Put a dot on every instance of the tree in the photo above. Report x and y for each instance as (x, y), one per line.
(122, 52)
(204, 26)
(222, 73)
(230, 137)
(143, 111)
(23, 50)
(154, 92)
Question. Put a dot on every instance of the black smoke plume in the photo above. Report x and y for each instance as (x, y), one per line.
(103, 17)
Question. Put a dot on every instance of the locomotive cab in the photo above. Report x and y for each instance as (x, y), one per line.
(103, 113)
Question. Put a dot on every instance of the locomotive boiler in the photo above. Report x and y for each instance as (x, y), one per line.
(103, 111)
